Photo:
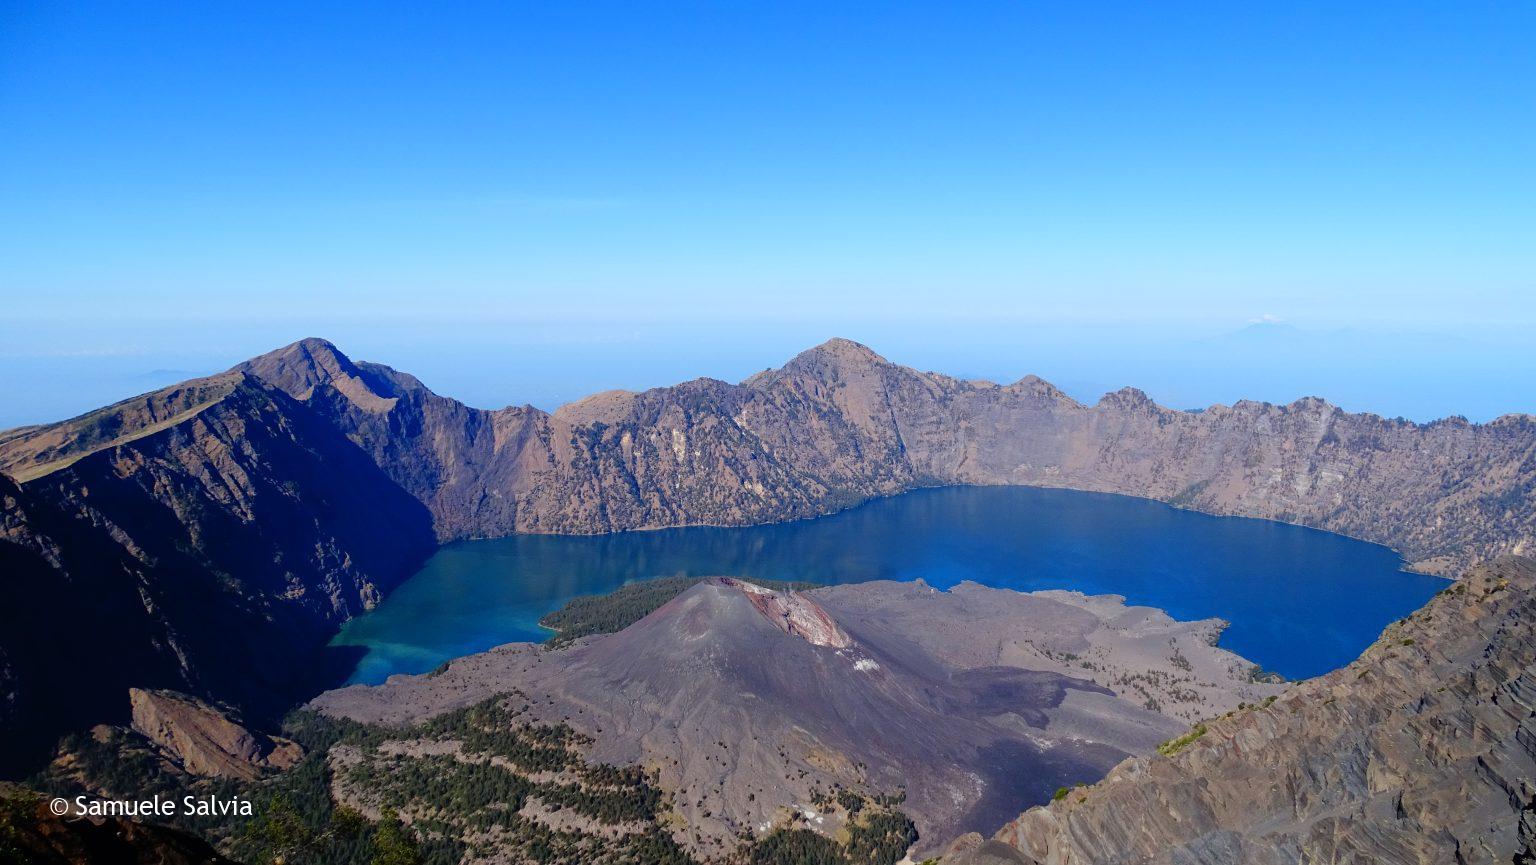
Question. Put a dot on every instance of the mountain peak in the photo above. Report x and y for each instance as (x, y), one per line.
(311, 352)
(845, 350)
(1039, 387)
(1127, 397)
(299, 368)
(832, 357)
(314, 344)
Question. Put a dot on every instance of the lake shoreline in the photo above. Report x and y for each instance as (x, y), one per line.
(1270, 579)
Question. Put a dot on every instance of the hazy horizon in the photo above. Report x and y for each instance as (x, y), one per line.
(1417, 376)
(529, 203)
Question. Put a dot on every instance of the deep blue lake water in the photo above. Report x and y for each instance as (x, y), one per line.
(1301, 602)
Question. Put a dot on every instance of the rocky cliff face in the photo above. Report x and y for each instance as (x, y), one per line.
(672, 456)
(839, 424)
(1422, 751)
(212, 550)
(212, 534)
(794, 613)
(203, 740)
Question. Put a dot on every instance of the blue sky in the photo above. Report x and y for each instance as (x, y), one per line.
(526, 202)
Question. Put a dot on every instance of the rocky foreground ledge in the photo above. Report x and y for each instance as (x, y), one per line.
(1421, 751)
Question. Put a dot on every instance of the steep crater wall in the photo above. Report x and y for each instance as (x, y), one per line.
(210, 536)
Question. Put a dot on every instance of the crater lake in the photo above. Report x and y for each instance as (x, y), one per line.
(1300, 601)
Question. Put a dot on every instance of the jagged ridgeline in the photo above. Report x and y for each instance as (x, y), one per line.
(213, 534)
(210, 537)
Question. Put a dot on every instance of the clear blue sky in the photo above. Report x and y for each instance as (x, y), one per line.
(523, 202)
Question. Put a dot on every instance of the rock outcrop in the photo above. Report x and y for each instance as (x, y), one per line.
(205, 741)
(1422, 751)
(213, 534)
(839, 424)
(794, 613)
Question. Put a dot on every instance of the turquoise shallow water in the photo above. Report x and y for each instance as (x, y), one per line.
(1301, 602)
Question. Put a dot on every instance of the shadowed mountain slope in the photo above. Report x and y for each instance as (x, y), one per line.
(208, 536)
(838, 424)
(211, 551)
(30, 834)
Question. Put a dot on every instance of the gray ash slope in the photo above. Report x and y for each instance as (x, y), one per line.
(748, 703)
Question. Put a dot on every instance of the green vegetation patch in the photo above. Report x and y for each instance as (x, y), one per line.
(482, 782)
(1187, 496)
(1260, 676)
(474, 792)
(443, 791)
(16, 809)
(1174, 746)
(617, 610)
(878, 836)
